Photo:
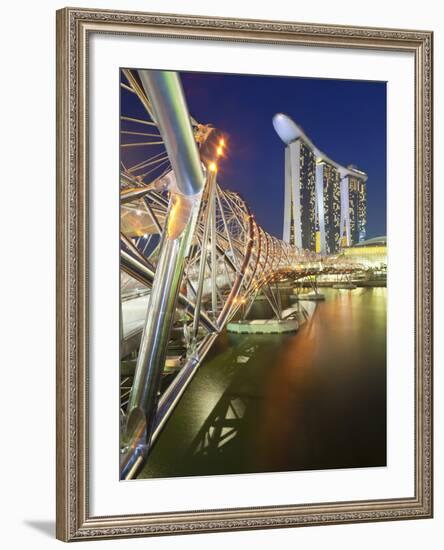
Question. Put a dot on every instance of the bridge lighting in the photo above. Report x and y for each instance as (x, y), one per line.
(212, 167)
(138, 212)
(145, 236)
(219, 151)
(222, 142)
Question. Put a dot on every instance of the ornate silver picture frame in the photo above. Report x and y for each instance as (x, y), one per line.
(75, 520)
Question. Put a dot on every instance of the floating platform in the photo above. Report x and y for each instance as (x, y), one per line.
(264, 326)
(309, 296)
(344, 286)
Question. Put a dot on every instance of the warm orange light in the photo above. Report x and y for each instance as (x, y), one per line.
(219, 151)
(212, 167)
(222, 142)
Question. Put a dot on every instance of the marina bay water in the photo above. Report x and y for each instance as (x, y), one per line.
(312, 399)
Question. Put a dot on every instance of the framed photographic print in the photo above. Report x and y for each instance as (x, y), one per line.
(244, 274)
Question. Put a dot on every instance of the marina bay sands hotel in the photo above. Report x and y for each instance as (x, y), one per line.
(325, 203)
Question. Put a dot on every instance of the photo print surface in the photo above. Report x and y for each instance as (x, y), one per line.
(253, 268)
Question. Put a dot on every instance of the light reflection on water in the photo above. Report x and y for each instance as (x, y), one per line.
(310, 400)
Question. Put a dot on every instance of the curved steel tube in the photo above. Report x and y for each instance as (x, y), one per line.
(142, 272)
(165, 91)
(166, 95)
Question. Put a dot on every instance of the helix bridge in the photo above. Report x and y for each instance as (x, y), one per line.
(192, 255)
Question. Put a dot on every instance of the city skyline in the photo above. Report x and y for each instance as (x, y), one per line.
(242, 106)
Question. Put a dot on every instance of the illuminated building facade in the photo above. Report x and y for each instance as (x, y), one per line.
(325, 203)
(357, 209)
(300, 196)
(331, 182)
(362, 211)
(307, 177)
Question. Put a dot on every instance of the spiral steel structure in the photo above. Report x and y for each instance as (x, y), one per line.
(190, 250)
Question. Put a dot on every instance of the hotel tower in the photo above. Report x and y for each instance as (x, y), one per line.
(325, 203)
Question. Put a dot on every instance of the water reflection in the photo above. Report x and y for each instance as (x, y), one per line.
(312, 400)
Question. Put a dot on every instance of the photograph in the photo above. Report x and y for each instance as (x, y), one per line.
(253, 273)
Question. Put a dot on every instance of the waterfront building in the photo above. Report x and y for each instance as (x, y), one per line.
(307, 177)
(325, 203)
(332, 206)
(357, 209)
(371, 253)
